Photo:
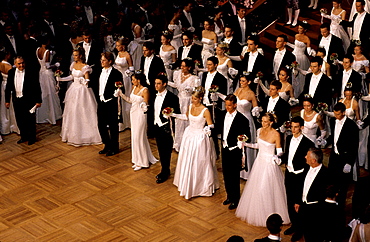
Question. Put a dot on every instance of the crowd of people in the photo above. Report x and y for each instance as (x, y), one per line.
(193, 76)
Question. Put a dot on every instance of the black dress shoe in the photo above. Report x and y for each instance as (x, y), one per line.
(158, 176)
(289, 231)
(112, 152)
(104, 151)
(226, 202)
(233, 206)
(162, 178)
(296, 236)
(21, 141)
(31, 142)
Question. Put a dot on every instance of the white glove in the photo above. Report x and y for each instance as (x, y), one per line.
(282, 129)
(57, 64)
(67, 78)
(189, 90)
(85, 81)
(233, 72)
(321, 142)
(117, 92)
(279, 152)
(347, 168)
(276, 159)
(240, 144)
(207, 129)
(311, 51)
(256, 80)
(191, 29)
(214, 97)
(251, 145)
(256, 111)
(149, 26)
(128, 72)
(359, 124)
(220, 95)
(180, 116)
(293, 101)
(143, 106)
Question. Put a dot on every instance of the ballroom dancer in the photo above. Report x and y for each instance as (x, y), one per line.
(162, 125)
(185, 82)
(104, 84)
(225, 66)
(80, 121)
(50, 111)
(209, 40)
(167, 53)
(141, 155)
(264, 192)
(282, 57)
(124, 64)
(233, 125)
(175, 26)
(196, 172)
(24, 89)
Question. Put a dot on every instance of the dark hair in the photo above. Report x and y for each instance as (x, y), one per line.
(124, 41)
(232, 98)
(277, 84)
(365, 218)
(339, 107)
(308, 99)
(284, 37)
(240, 6)
(189, 63)
(210, 21)
(361, 1)
(235, 238)
(298, 119)
(331, 191)
(255, 39)
(214, 60)
(304, 25)
(188, 34)
(325, 25)
(81, 52)
(360, 46)
(274, 223)
(348, 89)
(168, 35)
(109, 56)
(149, 45)
(316, 154)
(287, 71)
(142, 78)
(163, 77)
(86, 33)
(317, 59)
(349, 56)
(322, 50)
(337, 1)
(230, 27)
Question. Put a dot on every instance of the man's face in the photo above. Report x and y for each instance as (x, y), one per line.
(19, 64)
(359, 7)
(296, 128)
(4, 16)
(346, 64)
(309, 160)
(87, 38)
(159, 86)
(230, 106)
(339, 114)
(105, 63)
(147, 52)
(210, 66)
(315, 68)
(242, 12)
(228, 32)
(324, 32)
(9, 30)
(188, 7)
(252, 46)
(186, 40)
(273, 91)
(280, 43)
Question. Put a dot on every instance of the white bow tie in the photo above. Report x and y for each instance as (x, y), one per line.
(229, 115)
(87, 44)
(160, 94)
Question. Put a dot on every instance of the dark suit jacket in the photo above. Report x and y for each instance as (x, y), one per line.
(94, 54)
(317, 191)
(194, 54)
(218, 80)
(110, 87)
(323, 91)
(347, 144)
(156, 67)
(172, 101)
(233, 22)
(335, 46)
(239, 126)
(266, 239)
(235, 48)
(299, 160)
(8, 45)
(287, 60)
(259, 65)
(228, 10)
(185, 23)
(29, 54)
(364, 33)
(31, 88)
(355, 79)
(282, 110)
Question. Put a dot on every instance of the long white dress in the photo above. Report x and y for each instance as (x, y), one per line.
(337, 29)
(141, 154)
(310, 127)
(176, 29)
(166, 57)
(208, 50)
(245, 107)
(196, 172)
(50, 110)
(122, 65)
(224, 70)
(264, 192)
(184, 100)
(304, 64)
(80, 120)
(8, 124)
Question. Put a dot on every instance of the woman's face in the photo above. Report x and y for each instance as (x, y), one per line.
(357, 50)
(207, 26)
(348, 95)
(135, 81)
(164, 40)
(185, 69)
(219, 51)
(76, 56)
(219, 15)
(283, 76)
(301, 30)
(120, 47)
(266, 122)
(335, 4)
(307, 106)
(243, 82)
(195, 100)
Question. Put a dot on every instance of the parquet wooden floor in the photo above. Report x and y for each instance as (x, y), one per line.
(51, 191)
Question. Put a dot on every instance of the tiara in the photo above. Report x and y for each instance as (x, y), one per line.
(188, 58)
(198, 89)
(307, 95)
(349, 85)
(137, 72)
(223, 45)
(166, 32)
(304, 21)
(162, 74)
(246, 73)
(357, 42)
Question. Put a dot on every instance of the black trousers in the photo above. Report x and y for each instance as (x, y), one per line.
(292, 183)
(217, 117)
(108, 124)
(164, 143)
(231, 166)
(26, 121)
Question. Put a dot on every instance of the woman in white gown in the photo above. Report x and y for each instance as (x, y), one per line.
(264, 192)
(209, 40)
(301, 43)
(8, 124)
(312, 121)
(336, 15)
(141, 155)
(50, 110)
(123, 63)
(175, 26)
(168, 54)
(196, 172)
(136, 45)
(80, 121)
(185, 82)
(225, 66)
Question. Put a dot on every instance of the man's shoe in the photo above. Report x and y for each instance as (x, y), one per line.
(21, 141)
(158, 176)
(31, 142)
(289, 231)
(296, 236)
(226, 202)
(233, 206)
(112, 152)
(162, 178)
(103, 151)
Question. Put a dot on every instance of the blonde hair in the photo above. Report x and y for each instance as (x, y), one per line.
(198, 92)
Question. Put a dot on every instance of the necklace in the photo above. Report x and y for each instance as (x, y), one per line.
(184, 77)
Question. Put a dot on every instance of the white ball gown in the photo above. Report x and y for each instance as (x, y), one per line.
(166, 57)
(176, 29)
(50, 110)
(304, 64)
(122, 65)
(224, 70)
(310, 127)
(208, 50)
(80, 121)
(196, 173)
(264, 192)
(140, 150)
(8, 124)
(338, 30)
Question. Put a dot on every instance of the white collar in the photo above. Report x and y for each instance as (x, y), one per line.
(330, 201)
(231, 114)
(274, 99)
(315, 169)
(19, 71)
(162, 94)
(341, 121)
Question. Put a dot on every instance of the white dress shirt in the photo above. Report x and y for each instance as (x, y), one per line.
(272, 103)
(87, 47)
(89, 14)
(185, 52)
(207, 86)
(103, 82)
(229, 118)
(50, 24)
(357, 25)
(18, 83)
(315, 79)
(252, 60)
(147, 62)
(158, 108)
(228, 40)
(12, 41)
(278, 58)
(338, 128)
(346, 76)
(242, 27)
(310, 177)
(294, 143)
(325, 43)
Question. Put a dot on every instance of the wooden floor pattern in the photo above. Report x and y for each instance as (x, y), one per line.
(51, 191)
